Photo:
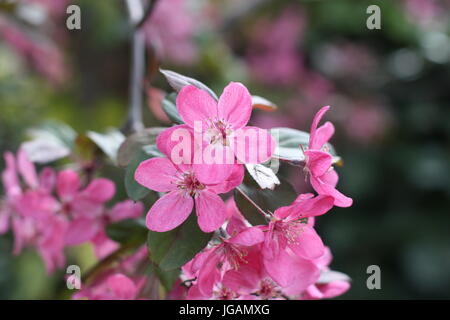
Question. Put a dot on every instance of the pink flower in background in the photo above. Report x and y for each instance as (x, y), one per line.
(318, 164)
(50, 211)
(273, 55)
(170, 31)
(122, 281)
(36, 54)
(30, 210)
(113, 287)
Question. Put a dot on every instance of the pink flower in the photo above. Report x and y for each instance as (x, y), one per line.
(170, 31)
(291, 239)
(184, 187)
(30, 210)
(229, 254)
(222, 125)
(318, 164)
(122, 281)
(50, 211)
(113, 287)
(273, 55)
(330, 284)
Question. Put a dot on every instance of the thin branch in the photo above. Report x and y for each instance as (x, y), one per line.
(106, 263)
(148, 12)
(252, 202)
(137, 71)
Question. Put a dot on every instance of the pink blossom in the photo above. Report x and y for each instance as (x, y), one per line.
(113, 287)
(50, 211)
(222, 125)
(170, 30)
(29, 210)
(326, 287)
(184, 187)
(36, 54)
(319, 161)
(277, 62)
(291, 239)
(122, 281)
(230, 254)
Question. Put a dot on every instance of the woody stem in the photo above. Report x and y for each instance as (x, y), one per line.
(252, 202)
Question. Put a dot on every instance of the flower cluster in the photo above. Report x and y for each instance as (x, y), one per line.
(188, 179)
(52, 210)
(285, 259)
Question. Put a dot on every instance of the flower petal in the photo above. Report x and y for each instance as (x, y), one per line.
(323, 135)
(100, 190)
(27, 169)
(235, 178)
(122, 287)
(194, 104)
(311, 207)
(169, 211)
(67, 185)
(211, 211)
(235, 105)
(253, 145)
(157, 174)
(308, 245)
(318, 162)
(127, 209)
(290, 271)
(248, 237)
(81, 230)
(340, 200)
(312, 137)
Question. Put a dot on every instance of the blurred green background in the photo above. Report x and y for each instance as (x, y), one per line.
(388, 88)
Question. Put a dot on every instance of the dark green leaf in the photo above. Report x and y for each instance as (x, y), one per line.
(268, 200)
(129, 231)
(172, 249)
(135, 141)
(134, 190)
(166, 277)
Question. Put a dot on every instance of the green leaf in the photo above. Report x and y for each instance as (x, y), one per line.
(172, 249)
(268, 200)
(134, 190)
(108, 142)
(166, 277)
(289, 141)
(171, 110)
(134, 142)
(129, 231)
(178, 81)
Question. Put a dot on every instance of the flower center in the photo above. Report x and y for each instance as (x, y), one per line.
(188, 183)
(268, 289)
(290, 230)
(235, 255)
(218, 132)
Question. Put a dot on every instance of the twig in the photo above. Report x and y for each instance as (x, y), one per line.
(252, 202)
(148, 12)
(105, 263)
(137, 71)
